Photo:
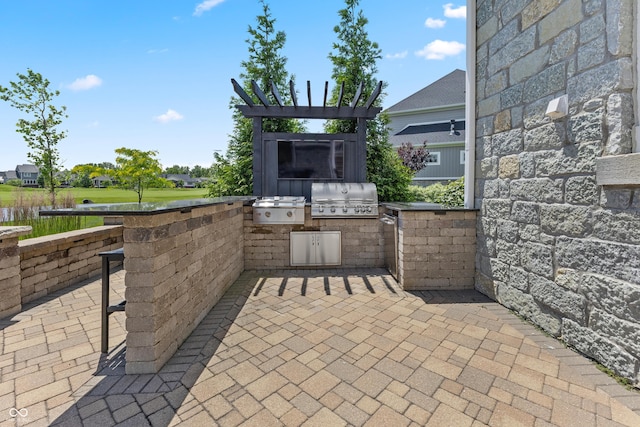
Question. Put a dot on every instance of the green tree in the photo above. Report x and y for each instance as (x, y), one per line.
(138, 170)
(31, 95)
(354, 62)
(200, 172)
(233, 174)
(178, 170)
(84, 174)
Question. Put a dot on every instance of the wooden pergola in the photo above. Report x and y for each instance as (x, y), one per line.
(266, 182)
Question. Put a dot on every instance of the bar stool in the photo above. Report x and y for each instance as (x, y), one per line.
(107, 257)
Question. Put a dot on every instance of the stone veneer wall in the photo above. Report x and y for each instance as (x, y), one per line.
(53, 262)
(178, 265)
(267, 246)
(436, 250)
(552, 244)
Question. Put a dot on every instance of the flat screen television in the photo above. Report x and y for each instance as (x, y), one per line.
(311, 159)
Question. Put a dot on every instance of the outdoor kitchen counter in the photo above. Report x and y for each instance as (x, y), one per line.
(179, 259)
(145, 208)
(423, 206)
(429, 246)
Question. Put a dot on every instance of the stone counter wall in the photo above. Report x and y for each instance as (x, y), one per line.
(552, 244)
(10, 303)
(178, 265)
(436, 250)
(267, 246)
(53, 262)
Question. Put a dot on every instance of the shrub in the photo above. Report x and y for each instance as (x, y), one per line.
(451, 195)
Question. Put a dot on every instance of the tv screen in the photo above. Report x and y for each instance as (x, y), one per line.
(311, 159)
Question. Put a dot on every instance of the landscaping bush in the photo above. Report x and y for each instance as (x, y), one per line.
(450, 195)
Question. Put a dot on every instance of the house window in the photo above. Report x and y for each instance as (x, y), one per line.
(434, 158)
(463, 157)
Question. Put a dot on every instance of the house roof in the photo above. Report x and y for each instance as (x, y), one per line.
(432, 133)
(449, 90)
(178, 177)
(27, 168)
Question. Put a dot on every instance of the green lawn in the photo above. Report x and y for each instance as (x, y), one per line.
(111, 195)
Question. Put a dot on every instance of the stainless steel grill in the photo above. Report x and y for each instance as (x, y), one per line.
(279, 210)
(344, 200)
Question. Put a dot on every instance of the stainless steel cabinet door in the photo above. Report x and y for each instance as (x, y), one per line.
(309, 248)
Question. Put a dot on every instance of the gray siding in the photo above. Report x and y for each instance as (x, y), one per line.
(449, 164)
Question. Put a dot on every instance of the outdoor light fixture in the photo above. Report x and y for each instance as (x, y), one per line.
(558, 108)
(453, 127)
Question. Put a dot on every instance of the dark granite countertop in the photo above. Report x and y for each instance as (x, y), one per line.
(422, 206)
(144, 208)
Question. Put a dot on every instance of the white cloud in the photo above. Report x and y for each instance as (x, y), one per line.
(434, 23)
(398, 55)
(157, 51)
(205, 6)
(86, 83)
(455, 12)
(439, 49)
(169, 116)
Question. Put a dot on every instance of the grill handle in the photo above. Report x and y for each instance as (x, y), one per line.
(388, 219)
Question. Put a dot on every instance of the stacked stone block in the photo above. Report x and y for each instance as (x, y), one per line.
(53, 262)
(436, 250)
(10, 303)
(552, 244)
(178, 265)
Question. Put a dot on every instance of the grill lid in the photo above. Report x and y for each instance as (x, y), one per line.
(280, 201)
(340, 200)
(344, 193)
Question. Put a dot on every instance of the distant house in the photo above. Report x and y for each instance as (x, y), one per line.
(28, 174)
(435, 115)
(102, 181)
(181, 180)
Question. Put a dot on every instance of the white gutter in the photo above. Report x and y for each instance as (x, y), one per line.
(470, 110)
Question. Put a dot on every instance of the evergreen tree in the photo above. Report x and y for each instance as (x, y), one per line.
(354, 62)
(233, 174)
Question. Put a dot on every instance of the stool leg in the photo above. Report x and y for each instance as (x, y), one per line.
(105, 304)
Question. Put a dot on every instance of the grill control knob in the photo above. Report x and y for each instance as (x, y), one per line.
(267, 214)
(321, 209)
(333, 209)
(344, 209)
(368, 208)
(357, 209)
(289, 214)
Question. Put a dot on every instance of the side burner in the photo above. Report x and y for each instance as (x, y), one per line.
(279, 210)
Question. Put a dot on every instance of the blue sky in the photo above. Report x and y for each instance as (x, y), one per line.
(155, 75)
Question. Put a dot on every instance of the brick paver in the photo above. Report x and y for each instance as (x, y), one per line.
(325, 348)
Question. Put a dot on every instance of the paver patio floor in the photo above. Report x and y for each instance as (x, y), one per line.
(312, 348)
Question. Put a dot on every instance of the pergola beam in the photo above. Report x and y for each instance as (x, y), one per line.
(343, 112)
(303, 112)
